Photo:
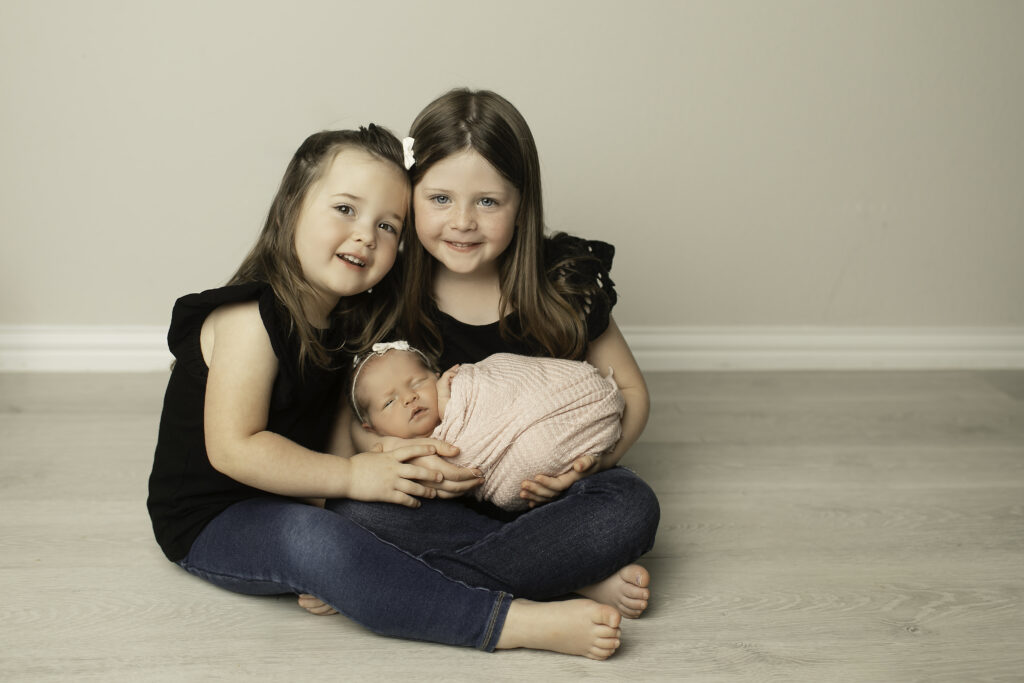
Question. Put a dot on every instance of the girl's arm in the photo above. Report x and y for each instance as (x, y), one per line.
(610, 350)
(242, 372)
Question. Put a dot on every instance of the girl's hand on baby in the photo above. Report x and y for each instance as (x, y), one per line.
(544, 489)
(457, 480)
(395, 443)
(445, 480)
(389, 477)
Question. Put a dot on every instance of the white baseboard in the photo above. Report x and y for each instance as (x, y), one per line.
(81, 348)
(825, 348)
(139, 348)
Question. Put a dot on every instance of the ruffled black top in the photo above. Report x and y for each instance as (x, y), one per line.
(585, 264)
(185, 491)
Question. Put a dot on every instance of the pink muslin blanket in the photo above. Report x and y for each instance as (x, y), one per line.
(516, 416)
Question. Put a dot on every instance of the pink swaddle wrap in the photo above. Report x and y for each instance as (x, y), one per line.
(516, 416)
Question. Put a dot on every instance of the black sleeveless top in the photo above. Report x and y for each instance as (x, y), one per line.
(585, 263)
(185, 491)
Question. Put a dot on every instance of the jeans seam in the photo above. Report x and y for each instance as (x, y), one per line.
(489, 634)
(201, 573)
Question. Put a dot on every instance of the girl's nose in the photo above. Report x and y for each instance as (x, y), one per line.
(464, 219)
(366, 234)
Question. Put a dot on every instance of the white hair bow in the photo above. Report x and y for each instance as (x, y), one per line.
(410, 159)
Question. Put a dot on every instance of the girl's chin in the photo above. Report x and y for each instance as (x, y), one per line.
(465, 266)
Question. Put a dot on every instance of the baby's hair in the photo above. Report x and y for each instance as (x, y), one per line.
(377, 351)
(484, 121)
(273, 258)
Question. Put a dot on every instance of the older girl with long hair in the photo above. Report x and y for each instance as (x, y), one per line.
(251, 402)
(481, 278)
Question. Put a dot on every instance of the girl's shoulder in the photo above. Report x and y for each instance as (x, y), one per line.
(189, 314)
(580, 269)
(192, 310)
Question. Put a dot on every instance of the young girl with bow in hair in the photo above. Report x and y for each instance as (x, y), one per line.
(250, 404)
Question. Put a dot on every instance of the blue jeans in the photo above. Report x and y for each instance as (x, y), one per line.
(601, 523)
(268, 546)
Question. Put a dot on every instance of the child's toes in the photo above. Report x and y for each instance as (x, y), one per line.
(599, 653)
(643, 577)
(635, 592)
(609, 616)
(636, 575)
(634, 605)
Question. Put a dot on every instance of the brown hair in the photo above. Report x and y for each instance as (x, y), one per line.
(367, 317)
(484, 121)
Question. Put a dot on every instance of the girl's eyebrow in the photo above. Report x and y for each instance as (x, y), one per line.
(348, 195)
(444, 191)
(395, 217)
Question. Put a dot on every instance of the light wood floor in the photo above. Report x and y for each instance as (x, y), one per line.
(816, 527)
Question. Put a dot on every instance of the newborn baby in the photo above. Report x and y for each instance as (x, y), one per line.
(511, 416)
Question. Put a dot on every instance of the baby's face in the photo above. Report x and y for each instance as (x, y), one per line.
(400, 395)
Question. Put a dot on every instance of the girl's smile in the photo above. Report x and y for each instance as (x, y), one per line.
(465, 213)
(352, 260)
(461, 246)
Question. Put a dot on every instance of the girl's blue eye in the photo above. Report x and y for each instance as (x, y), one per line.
(487, 201)
(441, 199)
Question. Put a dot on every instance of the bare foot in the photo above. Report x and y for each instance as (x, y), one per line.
(572, 627)
(626, 590)
(315, 605)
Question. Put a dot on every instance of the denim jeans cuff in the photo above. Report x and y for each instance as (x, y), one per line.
(496, 622)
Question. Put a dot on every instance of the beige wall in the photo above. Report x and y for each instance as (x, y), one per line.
(787, 163)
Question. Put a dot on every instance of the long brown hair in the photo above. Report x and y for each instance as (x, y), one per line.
(367, 316)
(486, 122)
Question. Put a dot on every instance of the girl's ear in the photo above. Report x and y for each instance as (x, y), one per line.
(369, 427)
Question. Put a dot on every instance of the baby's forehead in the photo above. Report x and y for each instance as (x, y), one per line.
(399, 358)
(392, 363)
